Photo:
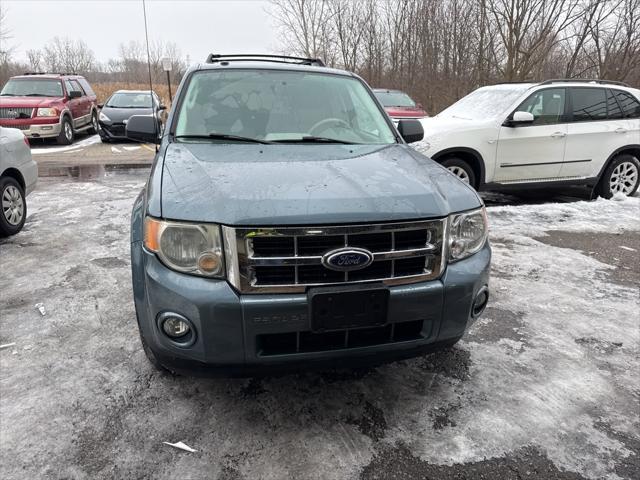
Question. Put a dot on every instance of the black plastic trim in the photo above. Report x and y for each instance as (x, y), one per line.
(503, 165)
(437, 156)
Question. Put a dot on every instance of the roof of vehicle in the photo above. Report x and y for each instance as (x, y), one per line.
(133, 91)
(566, 83)
(47, 75)
(386, 90)
(258, 65)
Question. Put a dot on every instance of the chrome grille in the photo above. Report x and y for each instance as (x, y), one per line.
(289, 259)
(20, 111)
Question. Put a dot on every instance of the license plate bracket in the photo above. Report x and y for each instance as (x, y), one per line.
(339, 308)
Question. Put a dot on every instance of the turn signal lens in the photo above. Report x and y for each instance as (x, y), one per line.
(152, 234)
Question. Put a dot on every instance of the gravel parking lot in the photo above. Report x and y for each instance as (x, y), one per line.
(546, 385)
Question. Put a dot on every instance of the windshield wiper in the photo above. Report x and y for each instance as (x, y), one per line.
(312, 139)
(226, 136)
(7, 95)
(35, 95)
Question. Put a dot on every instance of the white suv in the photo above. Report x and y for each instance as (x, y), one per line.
(551, 133)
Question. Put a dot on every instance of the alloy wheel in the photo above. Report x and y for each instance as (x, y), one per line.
(623, 178)
(12, 205)
(459, 172)
(68, 131)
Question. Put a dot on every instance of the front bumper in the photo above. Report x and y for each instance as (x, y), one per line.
(34, 130)
(112, 131)
(231, 327)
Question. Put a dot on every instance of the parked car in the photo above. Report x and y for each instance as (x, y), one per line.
(123, 104)
(558, 132)
(18, 176)
(49, 106)
(287, 224)
(398, 104)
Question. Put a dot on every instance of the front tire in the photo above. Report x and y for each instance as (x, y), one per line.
(461, 169)
(622, 175)
(66, 132)
(94, 124)
(13, 207)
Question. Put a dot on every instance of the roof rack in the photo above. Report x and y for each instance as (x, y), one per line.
(48, 73)
(218, 58)
(584, 80)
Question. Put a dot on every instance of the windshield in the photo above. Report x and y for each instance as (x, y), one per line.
(129, 100)
(395, 99)
(280, 106)
(32, 87)
(484, 103)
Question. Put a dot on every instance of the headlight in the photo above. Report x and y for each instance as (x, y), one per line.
(47, 112)
(103, 117)
(467, 233)
(186, 247)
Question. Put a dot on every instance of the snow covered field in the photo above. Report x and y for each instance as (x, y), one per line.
(546, 385)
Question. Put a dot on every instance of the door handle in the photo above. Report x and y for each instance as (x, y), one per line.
(620, 130)
(558, 135)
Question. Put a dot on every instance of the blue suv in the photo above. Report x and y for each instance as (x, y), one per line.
(286, 224)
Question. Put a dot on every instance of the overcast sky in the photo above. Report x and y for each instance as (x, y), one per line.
(197, 27)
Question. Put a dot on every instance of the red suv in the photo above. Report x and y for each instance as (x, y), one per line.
(399, 105)
(45, 105)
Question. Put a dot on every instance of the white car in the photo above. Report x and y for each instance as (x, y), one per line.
(552, 133)
(18, 176)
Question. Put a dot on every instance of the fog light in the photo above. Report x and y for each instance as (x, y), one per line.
(480, 302)
(175, 327)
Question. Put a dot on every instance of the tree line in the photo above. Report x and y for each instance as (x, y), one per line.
(439, 50)
(66, 55)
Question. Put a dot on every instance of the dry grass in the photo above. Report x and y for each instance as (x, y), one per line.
(104, 90)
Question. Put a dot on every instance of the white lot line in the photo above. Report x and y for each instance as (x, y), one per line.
(132, 149)
(115, 150)
(81, 144)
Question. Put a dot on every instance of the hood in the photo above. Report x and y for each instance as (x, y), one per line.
(240, 184)
(118, 115)
(439, 126)
(29, 102)
(405, 112)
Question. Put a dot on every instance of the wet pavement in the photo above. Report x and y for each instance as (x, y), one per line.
(545, 386)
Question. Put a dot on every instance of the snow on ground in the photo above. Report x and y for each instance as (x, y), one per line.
(80, 144)
(552, 365)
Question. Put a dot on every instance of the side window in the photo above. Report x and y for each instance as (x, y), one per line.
(630, 106)
(67, 86)
(77, 86)
(613, 108)
(547, 106)
(86, 87)
(589, 104)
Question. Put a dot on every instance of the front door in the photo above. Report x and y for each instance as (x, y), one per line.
(534, 151)
(74, 104)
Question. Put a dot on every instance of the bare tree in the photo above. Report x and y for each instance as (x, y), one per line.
(65, 55)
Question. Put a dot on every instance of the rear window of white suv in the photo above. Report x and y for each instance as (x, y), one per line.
(630, 106)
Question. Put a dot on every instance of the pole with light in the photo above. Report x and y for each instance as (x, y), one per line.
(166, 66)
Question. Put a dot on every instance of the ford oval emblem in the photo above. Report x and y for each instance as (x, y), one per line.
(347, 259)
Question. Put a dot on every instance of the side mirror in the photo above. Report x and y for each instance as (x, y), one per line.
(522, 117)
(411, 130)
(100, 105)
(143, 128)
(162, 107)
(74, 94)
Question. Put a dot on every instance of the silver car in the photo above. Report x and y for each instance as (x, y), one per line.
(18, 176)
